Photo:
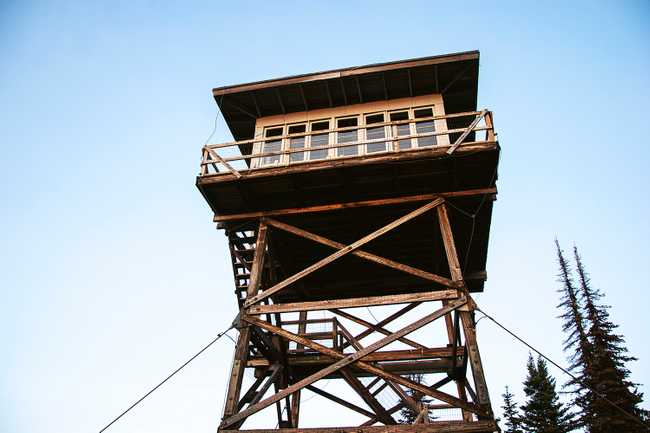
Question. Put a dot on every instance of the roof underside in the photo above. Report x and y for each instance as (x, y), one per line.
(455, 76)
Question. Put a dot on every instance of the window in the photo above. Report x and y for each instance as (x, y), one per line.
(318, 140)
(297, 142)
(401, 129)
(273, 145)
(349, 136)
(375, 133)
(424, 127)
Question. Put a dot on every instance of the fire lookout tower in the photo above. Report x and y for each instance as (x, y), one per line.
(359, 190)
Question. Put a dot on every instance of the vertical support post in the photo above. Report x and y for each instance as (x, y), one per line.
(241, 351)
(471, 346)
(295, 397)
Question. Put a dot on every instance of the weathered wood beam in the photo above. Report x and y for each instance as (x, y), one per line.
(450, 245)
(362, 254)
(354, 302)
(382, 356)
(279, 98)
(343, 251)
(256, 105)
(433, 427)
(304, 99)
(350, 205)
(329, 93)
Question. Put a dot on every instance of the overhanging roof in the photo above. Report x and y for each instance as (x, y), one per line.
(453, 75)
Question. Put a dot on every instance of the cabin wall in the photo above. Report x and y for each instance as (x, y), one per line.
(433, 100)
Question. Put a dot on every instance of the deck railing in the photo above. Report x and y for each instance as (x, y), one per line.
(226, 158)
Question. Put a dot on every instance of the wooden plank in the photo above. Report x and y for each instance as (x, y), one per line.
(350, 205)
(383, 356)
(469, 129)
(354, 302)
(433, 427)
(362, 254)
(340, 401)
(342, 252)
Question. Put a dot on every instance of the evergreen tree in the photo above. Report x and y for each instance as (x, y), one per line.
(543, 412)
(576, 344)
(408, 415)
(610, 376)
(511, 413)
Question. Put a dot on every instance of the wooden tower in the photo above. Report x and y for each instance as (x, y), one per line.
(354, 191)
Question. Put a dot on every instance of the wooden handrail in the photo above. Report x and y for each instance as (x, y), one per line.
(342, 129)
(210, 157)
(350, 144)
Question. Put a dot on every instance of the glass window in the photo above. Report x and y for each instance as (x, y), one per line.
(350, 136)
(272, 146)
(375, 133)
(424, 127)
(318, 140)
(297, 142)
(402, 129)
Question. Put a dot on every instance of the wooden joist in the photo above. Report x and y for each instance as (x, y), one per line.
(354, 302)
(350, 205)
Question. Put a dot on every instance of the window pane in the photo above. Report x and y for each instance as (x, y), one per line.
(319, 139)
(375, 133)
(347, 136)
(402, 129)
(297, 142)
(427, 126)
(272, 146)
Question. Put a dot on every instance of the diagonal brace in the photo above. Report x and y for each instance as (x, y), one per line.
(343, 251)
(362, 254)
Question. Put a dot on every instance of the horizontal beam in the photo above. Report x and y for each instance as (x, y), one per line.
(388, 356)
(433, 427)
(350, 205)
(367, 301)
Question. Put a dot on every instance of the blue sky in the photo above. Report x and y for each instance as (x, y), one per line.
(110, 268)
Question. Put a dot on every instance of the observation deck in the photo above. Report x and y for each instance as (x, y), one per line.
(342, 153)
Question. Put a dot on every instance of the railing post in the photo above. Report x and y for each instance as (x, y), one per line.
(488, 122)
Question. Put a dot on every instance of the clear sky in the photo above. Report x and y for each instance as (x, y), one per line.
(111, 270)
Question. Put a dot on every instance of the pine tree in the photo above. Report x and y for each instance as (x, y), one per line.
(543, 412)
(408, 415)
(511, 413)
(576, 344)
(610, 376)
